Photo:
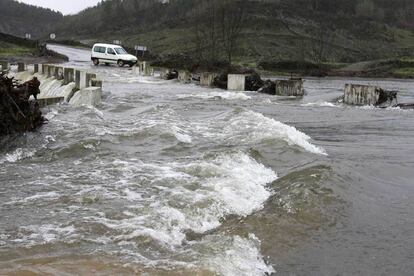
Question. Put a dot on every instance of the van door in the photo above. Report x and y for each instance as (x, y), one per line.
(111, 55)
(102, 51)
(99, 52)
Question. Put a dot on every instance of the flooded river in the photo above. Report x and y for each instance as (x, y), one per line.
(173, 179)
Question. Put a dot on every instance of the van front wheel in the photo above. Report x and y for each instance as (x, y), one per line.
(121, 63)
(95, 61)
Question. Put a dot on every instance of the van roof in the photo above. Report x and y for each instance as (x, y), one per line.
(106, 45)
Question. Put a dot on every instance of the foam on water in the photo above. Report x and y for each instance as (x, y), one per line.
(62, 91)
(187, 196)
(242, 258)
(216, 95)
(40, 196)
(321, 104)
(40, 234)
(250, 126)
(163, 201)
(17, 155)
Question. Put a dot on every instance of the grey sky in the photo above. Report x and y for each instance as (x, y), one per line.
(65, 6)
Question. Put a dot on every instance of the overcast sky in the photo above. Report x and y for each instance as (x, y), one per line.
(65, 6)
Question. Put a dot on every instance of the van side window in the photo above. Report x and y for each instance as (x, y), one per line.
(96, 49)
(102, 50)
(111, 51)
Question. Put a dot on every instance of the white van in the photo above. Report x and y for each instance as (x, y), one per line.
(109, 53)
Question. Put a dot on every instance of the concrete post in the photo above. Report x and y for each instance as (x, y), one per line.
(207, 79)
(147, 70)
(45, 69)
(82, 80)
(89, 77)
(50, 71)
(77, 79)
(91, 96)
(46, 101)
(4, 65)
(36, 68)
(184, 76)
(292, 87)
(136, 70)
(368, 95)
(58, 73)
(236, 82)
(40, 69)
(68, 75)
(96, 83)
(21, 67)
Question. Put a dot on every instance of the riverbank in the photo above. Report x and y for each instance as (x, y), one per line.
(402, 68)
(14, 49)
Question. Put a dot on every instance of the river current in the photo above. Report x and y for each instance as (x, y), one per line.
(169, 179)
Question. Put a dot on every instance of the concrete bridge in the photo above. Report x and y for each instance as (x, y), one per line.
(61, 84)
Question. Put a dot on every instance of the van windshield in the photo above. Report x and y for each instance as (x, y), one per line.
(120, 51)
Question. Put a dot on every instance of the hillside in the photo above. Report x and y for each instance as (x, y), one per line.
(274, 35)
(329, 31)
(18, 19)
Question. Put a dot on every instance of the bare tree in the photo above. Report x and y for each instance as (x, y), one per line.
(321, 41)
(206, 31)
(232, 15)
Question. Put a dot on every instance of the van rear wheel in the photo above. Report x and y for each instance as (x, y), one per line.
(121, 63)
(95, 61)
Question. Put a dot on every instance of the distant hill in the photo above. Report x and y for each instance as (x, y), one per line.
(315, 30)
(18, 19)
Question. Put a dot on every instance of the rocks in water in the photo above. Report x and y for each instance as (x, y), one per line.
(268, 87)
(368, 95)
(221, 81)
(405, 105)
(17, 113)
(253, 82)
(171, 75)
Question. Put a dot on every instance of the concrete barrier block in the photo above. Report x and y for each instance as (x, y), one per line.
(91, 96)
(184, 76)
(40, 69)
(58, 73)
(292, 87)
(368, 95)
(89, 78)
(136, 70)
(68, 75)
(147, 69)
(236, 82)
(207, 79)
(21, 67)
(50, 71)
(80, 80)
(45, 69)
(46, 101)
(96, 83)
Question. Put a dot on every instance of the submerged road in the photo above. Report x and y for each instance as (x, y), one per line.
(165, 178)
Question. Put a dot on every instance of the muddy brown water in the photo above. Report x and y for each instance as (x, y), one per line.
(171, 179)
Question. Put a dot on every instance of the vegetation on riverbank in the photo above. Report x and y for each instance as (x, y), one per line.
(15, 49)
